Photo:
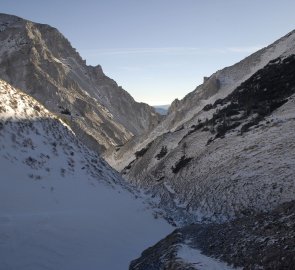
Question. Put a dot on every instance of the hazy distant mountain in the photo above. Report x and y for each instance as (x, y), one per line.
(162, 109)
(40, 60)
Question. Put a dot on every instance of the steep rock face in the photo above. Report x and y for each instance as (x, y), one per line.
(61, 205)
(28, 128)
(39, 60)
(234, 157)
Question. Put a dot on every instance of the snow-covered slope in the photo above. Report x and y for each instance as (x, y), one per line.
(218, 86)
(62, 206)
(223, 82)
(235, 156)
(38, 59)
(262, 241)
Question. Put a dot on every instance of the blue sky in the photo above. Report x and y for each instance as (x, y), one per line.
(159, 50)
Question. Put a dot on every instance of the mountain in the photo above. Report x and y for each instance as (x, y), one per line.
(261, 241)
(38, 59)
(221, 163)
(61, 205)
(226, 149)
(162, 109)
(223, 82)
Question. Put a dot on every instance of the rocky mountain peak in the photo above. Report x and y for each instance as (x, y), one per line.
(97, 70)
(40, 60)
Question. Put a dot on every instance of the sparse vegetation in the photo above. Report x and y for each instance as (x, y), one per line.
(37, 108)
(65, 111)
(128, 167)
(162, 152)
(252, 101)
(208, 107)
(181, 164)
(179, 128)
(142, 151)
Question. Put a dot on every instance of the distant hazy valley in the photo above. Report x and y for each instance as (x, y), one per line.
(162, 109)
(92, 179)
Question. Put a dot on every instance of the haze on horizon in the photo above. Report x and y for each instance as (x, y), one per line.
(159, 50)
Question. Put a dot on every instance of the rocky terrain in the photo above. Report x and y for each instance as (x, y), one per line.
(221, 163)
(234, 156)
(261, 241)
(218, 86)
(223, 82)
(39, 60)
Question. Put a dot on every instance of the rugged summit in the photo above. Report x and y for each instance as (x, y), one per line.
(38, 59)
(225, 150)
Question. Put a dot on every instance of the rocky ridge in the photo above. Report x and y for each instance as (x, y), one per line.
(38, 59)
(25, 125)
(218, 86)
(235, 156)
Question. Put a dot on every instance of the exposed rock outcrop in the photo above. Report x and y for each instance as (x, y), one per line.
(38, 59)
(234, 154)
(223, 82)
(262, 241)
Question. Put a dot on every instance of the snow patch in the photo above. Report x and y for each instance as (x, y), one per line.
(199, 260)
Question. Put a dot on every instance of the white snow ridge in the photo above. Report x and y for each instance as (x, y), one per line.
(61, 206)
